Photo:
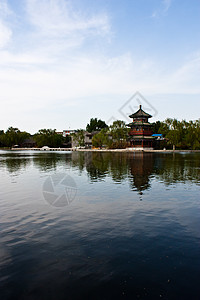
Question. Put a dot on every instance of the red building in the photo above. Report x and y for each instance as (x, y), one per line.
(140, 133)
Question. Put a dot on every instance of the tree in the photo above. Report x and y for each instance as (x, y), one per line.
(119, 134)
(67, 141)
(113, 137)
(156, 126)
(48, 137)
(181, 134)
(192, 136)
(1, 137)
(176, 132)
(13, 136)
(101, 139)
(79, 137)
(96, 125)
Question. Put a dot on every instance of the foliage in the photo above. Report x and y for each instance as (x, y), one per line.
(48, 137)
(156, 126)
(192, 135)
(179, 134)
(67, 140)
(1, 137)
(78, 137)
(13, 136)
(96, 125)
(101, 139)
(119, 134)
(113, 137)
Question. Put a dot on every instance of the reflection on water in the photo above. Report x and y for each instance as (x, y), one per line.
(14, 162)
(106, 244)
(138, 167)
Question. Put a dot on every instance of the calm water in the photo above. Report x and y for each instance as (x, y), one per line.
(131, 231)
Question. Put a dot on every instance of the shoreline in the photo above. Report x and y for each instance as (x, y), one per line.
(100, 150)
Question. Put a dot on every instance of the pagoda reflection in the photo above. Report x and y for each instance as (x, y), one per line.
(141, 168)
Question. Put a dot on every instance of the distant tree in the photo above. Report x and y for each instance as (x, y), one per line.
(79, 137)
(101, 139)
(163, 129)
(48, 137)
(181, 134)
(119, 134)
(156, 126)
(176, 132)
(67, 140)
(1, 137)
(192, 136)
(13, 136)
(96, 125)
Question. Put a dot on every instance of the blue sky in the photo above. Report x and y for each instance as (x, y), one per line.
(63, 62)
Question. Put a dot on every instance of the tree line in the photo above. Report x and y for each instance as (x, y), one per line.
(177, 134)
(13, 137)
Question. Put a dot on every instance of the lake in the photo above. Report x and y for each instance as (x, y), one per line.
(90, 225)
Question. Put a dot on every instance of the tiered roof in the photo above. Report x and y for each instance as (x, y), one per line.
(140, 114)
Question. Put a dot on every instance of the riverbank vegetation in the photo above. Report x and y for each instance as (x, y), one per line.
(179, 134)
(176, 134)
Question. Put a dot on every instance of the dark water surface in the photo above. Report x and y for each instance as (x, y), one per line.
(131, 229)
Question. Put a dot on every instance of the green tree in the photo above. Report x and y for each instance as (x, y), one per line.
(1, 137)
(101, 139)
(164, 129)
(156, 126)
(119, 134)
(176, 132)
(96, 125)
(79, 137)
(13, 136)
(48, 137)
(192, 136)
(67, 141)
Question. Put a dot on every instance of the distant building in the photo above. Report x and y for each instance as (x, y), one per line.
(158, 136)
(88, 138)
(67, 132)
(141, 132)
(28, 143)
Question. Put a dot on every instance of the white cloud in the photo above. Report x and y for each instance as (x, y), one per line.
(78, 83)
(5, 30)
(49, 70)
(57, 18)
(89, 77)
(167, 4)
(186, 78)
(162, 10)
(5, 35)
(4, 8)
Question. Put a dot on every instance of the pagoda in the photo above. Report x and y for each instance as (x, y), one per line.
(140, 134)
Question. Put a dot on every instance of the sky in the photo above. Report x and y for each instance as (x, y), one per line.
(64, 62)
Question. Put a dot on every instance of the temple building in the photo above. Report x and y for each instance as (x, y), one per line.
(140, 134)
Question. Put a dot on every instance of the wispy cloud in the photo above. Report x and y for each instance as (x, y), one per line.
(162, 10)
(166, 5)
(5, 31)
(57, 18)
(54, 29)
(50, 65)
(5, 35)
(4, 8)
